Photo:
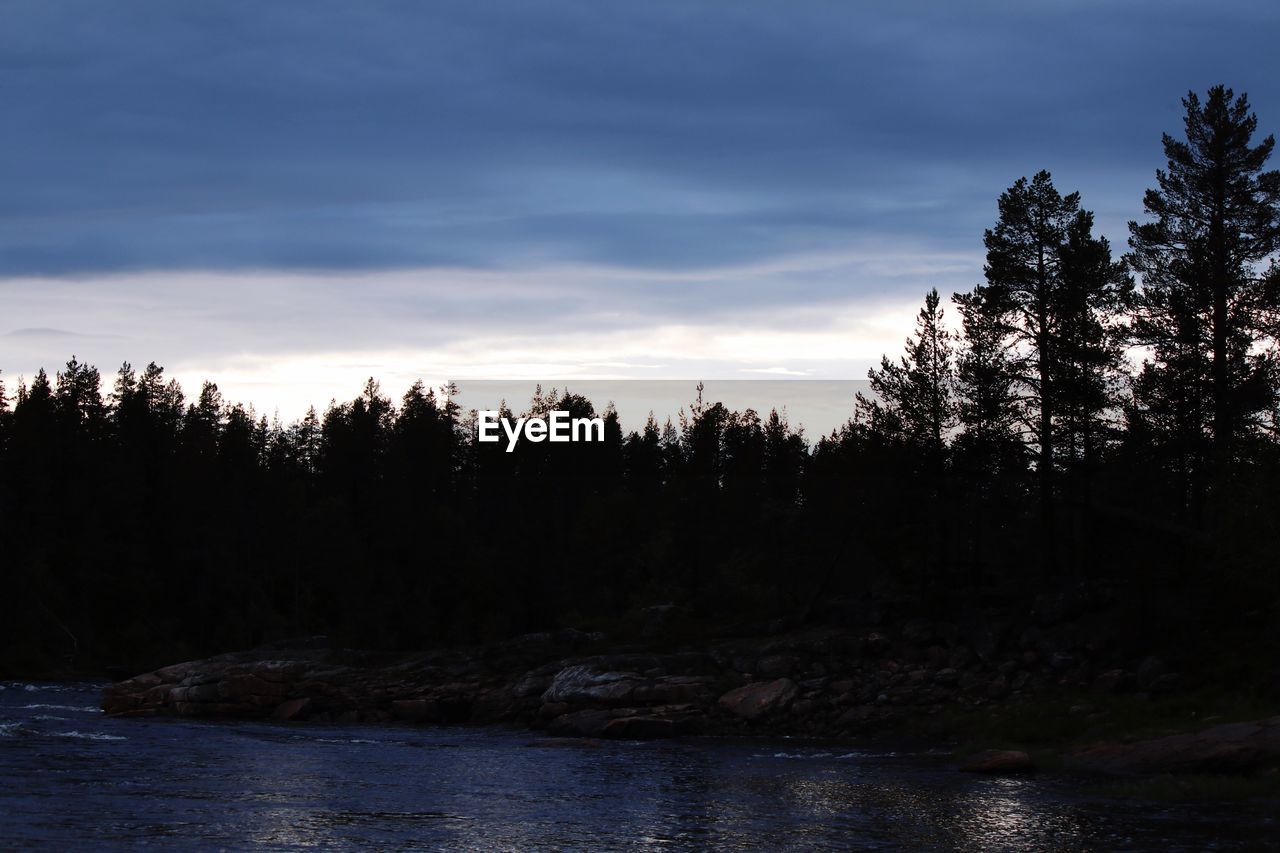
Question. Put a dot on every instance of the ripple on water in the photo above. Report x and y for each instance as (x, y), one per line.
(43, 706)
(89, 735)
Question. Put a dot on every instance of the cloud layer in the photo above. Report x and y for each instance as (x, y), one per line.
(213, 184)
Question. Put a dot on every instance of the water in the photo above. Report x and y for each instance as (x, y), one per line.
(71, 778)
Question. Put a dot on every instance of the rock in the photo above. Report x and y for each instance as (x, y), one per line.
(947, 677)
(1061, 660)
(1111, 681)
(584, 685)
(492, 706)
(987, 640)
(293, 709)
(1233, 748)
(675, 690)
(417, 711)
(641, 728)
(535, 682)
(998, 761)
(249, 687)
(775, 666)
(580, 724)
(858, 719)
(759, 699)
(877, 644)
(551, 710)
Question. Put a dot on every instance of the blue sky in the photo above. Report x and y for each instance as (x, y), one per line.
(283, 196)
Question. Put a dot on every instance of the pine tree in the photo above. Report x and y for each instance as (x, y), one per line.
(1204, 306)
(1024, 268)
(988, 455)
(987, 401)
(1088, 360)
(914, 397)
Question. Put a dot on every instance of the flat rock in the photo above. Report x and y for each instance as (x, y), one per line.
(1232, 748)
(590, 723)
(759, 699)
(642, 728)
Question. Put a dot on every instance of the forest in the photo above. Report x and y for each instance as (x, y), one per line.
(1082, 418)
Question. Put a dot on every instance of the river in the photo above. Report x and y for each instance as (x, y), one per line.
(71, 778)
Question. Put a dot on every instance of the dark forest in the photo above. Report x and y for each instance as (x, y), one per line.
(1084, 419)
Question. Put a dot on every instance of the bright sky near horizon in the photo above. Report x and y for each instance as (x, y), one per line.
(287, 198)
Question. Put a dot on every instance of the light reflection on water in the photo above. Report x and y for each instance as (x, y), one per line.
(167, 783)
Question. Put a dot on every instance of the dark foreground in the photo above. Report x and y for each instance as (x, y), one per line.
(70, 775)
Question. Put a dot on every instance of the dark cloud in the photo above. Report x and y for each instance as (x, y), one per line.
(660, 135)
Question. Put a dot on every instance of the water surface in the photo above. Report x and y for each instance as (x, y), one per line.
(70, 777)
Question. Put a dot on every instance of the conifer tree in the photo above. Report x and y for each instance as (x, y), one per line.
(915, 395)
(1204, 307)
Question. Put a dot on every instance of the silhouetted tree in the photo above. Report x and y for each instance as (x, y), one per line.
(1204, 306)
(916, 393)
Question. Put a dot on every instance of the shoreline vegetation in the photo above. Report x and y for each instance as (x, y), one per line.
(1017, 470)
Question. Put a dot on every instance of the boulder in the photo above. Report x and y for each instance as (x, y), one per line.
(759, 698)
(293, 709)
(582, 684)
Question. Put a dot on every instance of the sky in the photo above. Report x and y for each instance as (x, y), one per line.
(288, 197)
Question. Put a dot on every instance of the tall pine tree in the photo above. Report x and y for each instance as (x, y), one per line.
(1204, 308)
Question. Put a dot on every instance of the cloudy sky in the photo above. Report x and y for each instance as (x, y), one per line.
(288, 197)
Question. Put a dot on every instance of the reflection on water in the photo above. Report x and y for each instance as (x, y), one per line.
(70, 776)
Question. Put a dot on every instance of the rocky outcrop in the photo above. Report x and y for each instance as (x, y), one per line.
(1233, 748)
(830, 681)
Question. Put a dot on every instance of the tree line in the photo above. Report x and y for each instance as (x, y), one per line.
(1087, 418)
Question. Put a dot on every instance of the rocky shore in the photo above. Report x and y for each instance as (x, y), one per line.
(823, 682)
(819, 682)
